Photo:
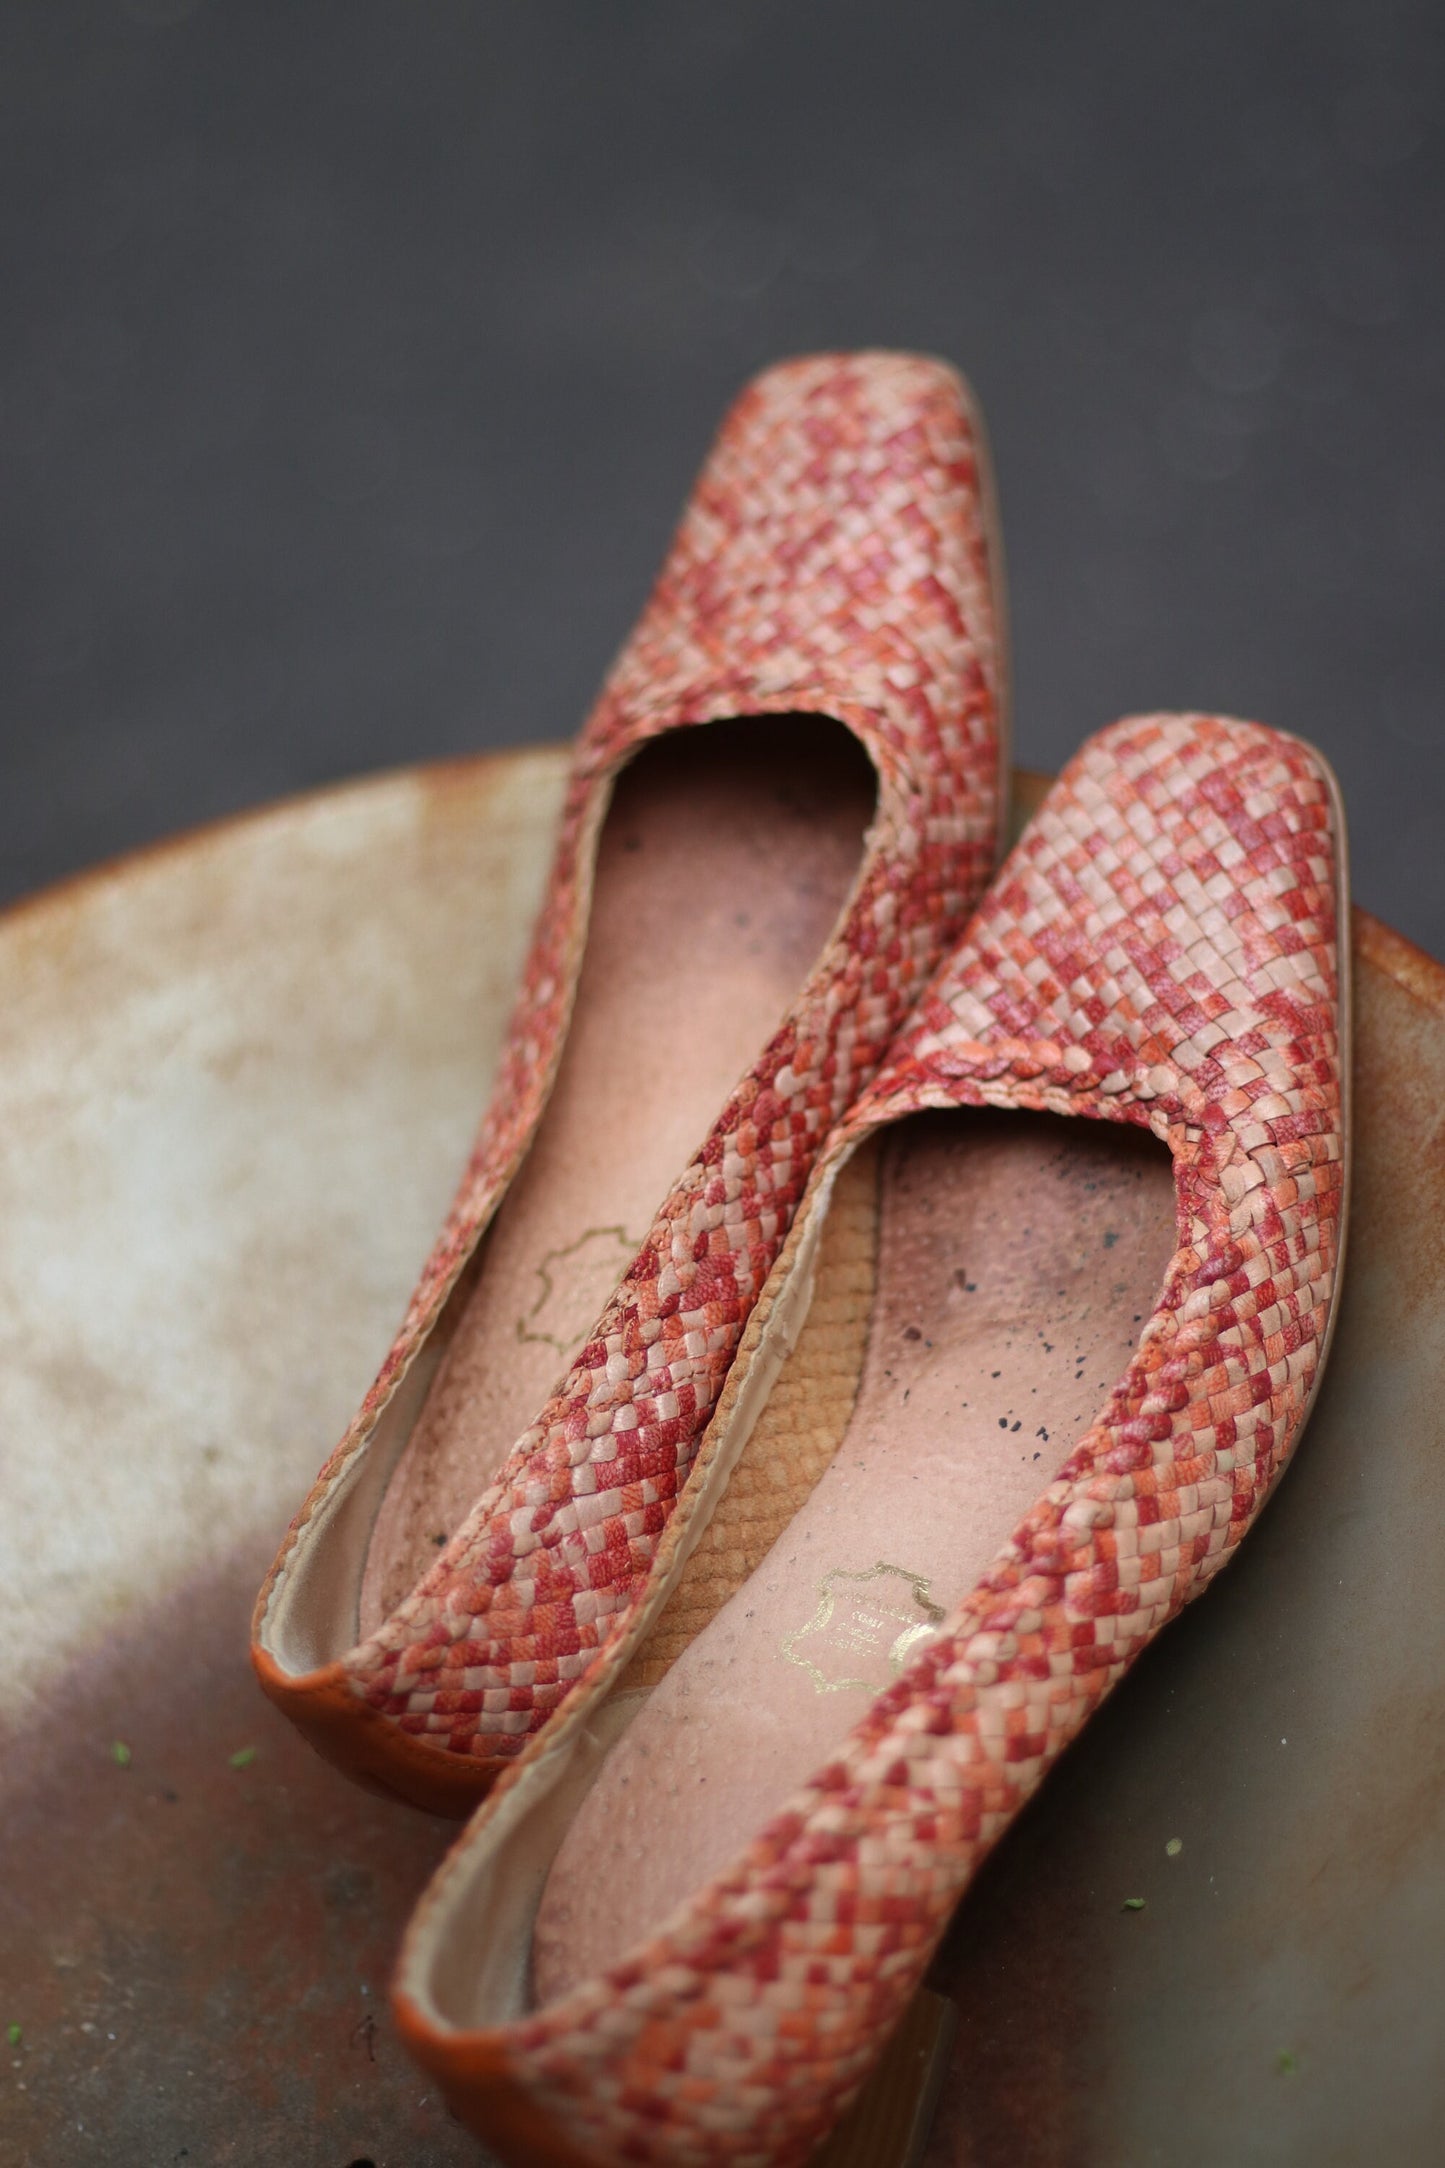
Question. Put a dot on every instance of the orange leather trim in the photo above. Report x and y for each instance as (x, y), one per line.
(481, 2092)
(368, 1747)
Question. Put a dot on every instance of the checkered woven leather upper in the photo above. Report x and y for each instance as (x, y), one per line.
(832, 559)
(1160, 949)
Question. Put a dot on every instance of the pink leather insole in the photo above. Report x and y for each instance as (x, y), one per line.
(726, 857)
(1018, 1259)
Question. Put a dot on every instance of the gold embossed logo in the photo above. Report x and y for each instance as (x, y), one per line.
(572, 1285)
(865, 1628)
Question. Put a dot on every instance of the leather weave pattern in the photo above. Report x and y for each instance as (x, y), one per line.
(1161, 949)
(832, 559)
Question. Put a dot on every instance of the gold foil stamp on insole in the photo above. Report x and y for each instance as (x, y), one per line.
(572, 1283)
(865, 1629)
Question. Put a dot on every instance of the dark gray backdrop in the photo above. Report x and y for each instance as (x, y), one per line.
(356, 357)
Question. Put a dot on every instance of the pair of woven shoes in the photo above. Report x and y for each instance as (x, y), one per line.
(961, 1354)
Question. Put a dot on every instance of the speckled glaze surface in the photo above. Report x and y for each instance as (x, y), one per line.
(1161, 949)
(833, 559)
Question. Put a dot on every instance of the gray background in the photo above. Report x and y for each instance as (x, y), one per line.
(357, 356)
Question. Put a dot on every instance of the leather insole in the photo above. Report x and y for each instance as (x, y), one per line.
(1018, 1257)
(726, 856)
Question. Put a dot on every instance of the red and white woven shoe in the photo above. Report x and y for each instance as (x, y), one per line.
(1091, 1211)
(832, 591)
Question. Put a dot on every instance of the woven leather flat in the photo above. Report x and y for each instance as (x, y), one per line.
(737, 917)
(1047, 1326)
